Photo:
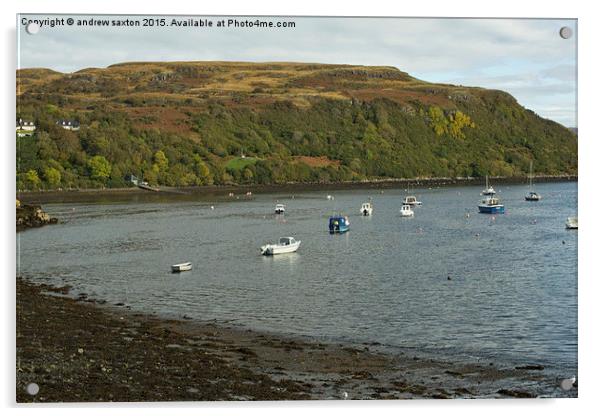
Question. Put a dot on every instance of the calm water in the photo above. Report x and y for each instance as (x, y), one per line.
(512, 297)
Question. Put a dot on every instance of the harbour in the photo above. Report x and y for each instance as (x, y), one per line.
(442, 284)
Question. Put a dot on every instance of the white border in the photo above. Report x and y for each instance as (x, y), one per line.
(589, 151)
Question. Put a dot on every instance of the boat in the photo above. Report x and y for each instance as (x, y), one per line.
(147, 187)
(411, 200)
(406, 211)
(284, 245)
(532, 195)
(280, 208)
(366, 209)
(571, 223)
(488, 188)
(338, 224)
(491, 205)
(182, 267)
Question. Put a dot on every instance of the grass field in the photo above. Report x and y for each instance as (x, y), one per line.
(240, 163)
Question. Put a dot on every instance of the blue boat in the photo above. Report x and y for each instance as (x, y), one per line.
(491, 205)
(338, 224)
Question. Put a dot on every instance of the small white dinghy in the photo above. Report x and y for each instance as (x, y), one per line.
(406, 211)
(285, 245)
(280, 208)
(572, 223)
(182, 267)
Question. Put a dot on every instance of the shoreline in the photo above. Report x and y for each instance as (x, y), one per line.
(81, 349)
(222, 191)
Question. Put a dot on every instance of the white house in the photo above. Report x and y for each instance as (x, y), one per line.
(25, 127)
(68, 124)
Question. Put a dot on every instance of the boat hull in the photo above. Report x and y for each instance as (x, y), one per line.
(532, 198)
(339, 230)
(177, 268)
(491, 209)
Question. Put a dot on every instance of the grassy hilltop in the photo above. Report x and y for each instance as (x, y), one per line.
(190, 123)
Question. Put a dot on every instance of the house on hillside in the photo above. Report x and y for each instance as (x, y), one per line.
(25, 127)
(68, 124)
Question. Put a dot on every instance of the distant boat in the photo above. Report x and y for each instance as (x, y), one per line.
(285, 245)
(147, 187)
(571, 223)
(491, 205)
(329, 197)
(280, 208)
(532, 195)
(366, 209)
(406, 211)
(411, 200)
(338, 224)
(488, 188)
(182, 267)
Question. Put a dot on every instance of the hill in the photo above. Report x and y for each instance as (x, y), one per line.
(197, 123)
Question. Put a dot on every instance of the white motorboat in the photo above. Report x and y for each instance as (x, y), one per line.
(182, 267)
(488, 188)
(366, 209)
(406, 211)
(280, 208)
(411, 200)
(571, 223)
(285, 245)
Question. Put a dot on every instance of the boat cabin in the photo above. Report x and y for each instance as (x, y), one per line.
(411, 200)
(491, 200)
(286, 241)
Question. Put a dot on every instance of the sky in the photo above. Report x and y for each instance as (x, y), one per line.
(525, 57)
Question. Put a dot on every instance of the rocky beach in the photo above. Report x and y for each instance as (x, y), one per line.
(81, 350)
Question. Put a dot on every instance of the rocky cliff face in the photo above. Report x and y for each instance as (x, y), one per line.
(29, 216)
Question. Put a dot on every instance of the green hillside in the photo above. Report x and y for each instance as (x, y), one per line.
(188, 123)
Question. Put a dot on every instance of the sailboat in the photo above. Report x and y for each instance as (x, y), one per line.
(488, 189)
(532, 195)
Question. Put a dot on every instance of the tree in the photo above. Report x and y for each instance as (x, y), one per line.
(457, 122)
(161, 161)
(247, 174)
(202, 170)
(52, 176)
(99, 167)
(32, 180)
(438, 121)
